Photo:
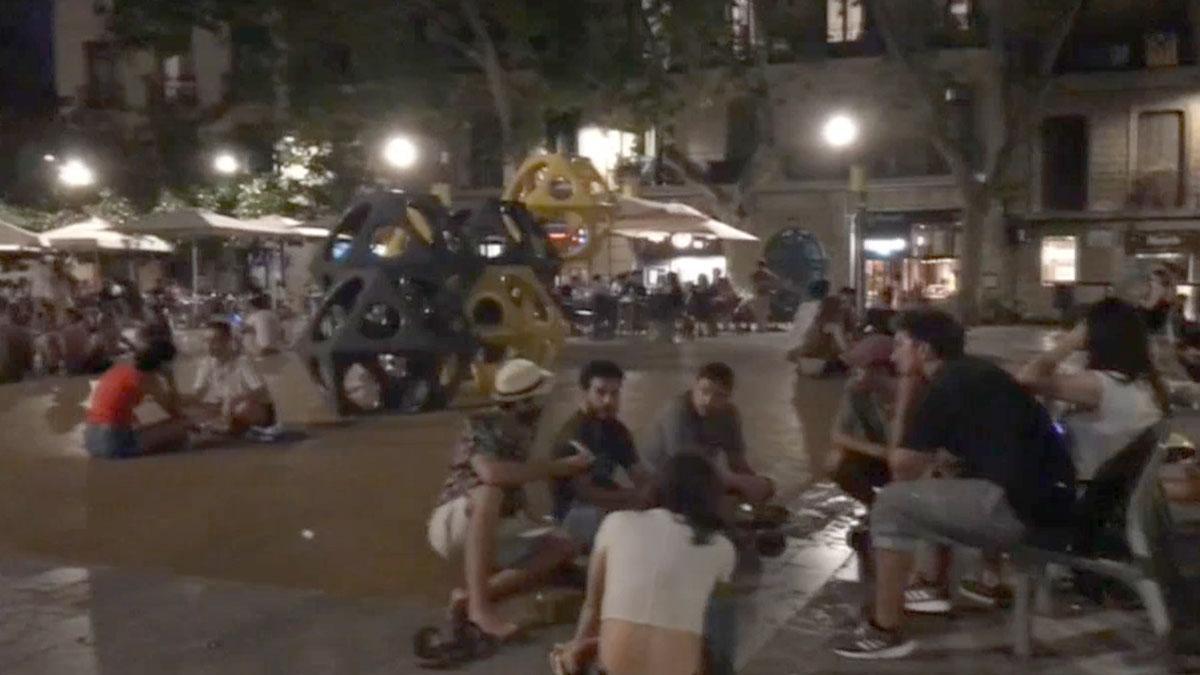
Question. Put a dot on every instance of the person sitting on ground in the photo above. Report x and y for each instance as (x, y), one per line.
(1119, 393)
(112, 429)
(263, 329)
(479, 514)
(857, 461)
(230, 393)
(1011, 471)
(580, 504)
(704, 420)
(75, 343)
(650, 579)
(16, 346)
(47, 348)
(824, 337)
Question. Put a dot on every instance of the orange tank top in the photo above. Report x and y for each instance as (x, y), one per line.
(117, 394)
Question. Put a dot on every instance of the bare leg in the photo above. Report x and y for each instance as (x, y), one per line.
(891, 576)
(938, 573)
(480, 552)
(162, 437)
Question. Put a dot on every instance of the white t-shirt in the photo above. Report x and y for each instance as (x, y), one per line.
(654, 574)
(806, 313)
(268, 333)
(221, 382)
(1127, 408)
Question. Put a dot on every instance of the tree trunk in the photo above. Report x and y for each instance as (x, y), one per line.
(977, 205)
(493, 72)
(1193, 16)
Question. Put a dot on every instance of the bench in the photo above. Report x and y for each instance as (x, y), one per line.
(1124, 496)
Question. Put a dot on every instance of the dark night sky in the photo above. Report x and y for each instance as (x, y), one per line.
(26, 55)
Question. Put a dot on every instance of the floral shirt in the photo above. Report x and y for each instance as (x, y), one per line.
(494, 435)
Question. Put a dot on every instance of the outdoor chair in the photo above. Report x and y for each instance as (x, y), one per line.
(1121, 531)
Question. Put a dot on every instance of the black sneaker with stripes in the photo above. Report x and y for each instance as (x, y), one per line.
(867, 641)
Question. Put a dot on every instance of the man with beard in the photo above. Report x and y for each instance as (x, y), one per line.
(480, 516)
(580, 504)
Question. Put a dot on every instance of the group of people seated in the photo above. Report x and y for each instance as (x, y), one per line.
(230, 399)
(943, 447)
(671, 309)
(657, 524)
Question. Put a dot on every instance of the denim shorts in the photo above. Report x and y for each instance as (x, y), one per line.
(110, 442)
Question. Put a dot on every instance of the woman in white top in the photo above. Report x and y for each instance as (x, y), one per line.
(1119, 393)
(650, 579)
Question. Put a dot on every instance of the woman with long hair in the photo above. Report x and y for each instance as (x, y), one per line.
(1119, 393)
(650, 578)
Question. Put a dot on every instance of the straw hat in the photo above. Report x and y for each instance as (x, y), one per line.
(519, 379)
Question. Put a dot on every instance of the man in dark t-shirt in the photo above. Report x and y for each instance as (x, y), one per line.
(581, 503)
(1004, 469)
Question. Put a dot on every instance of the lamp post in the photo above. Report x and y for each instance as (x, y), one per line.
(841, 131)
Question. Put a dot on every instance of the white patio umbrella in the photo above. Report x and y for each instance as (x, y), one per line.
(647, 219)
(95, 235)
(293, 227)
(197, 224)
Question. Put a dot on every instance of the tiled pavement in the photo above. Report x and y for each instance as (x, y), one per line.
(109, 570)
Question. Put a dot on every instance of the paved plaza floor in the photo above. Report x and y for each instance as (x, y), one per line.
(310, 556)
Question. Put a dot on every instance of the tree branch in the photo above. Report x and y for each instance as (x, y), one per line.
(1022, 115)
(694, 175)
(445, 32)
(930, 83)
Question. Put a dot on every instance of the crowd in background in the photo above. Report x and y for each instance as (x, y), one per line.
(51, 324)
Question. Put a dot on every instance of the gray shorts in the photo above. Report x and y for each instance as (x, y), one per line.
(582, 523)
(972, 512)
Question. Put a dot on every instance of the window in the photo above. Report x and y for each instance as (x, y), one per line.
(1159, 179)
(179, 78)
(844, 21)
(958, 14)
(742, 21)
(1059, 256)
(1065, 163)
(101, 61)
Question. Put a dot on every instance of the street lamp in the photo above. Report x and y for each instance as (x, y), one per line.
(74, 173)
(226, 164)
(400, 152)
(840, 131)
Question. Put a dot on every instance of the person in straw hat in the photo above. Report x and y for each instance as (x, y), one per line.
(480, 517)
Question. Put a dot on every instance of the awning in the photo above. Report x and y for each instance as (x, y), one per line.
(647, 219)
(95, 235)
(14, 239)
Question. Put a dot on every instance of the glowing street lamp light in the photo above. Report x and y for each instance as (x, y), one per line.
(400, 152)
(840, 131)
(74, 173)
(226, 164)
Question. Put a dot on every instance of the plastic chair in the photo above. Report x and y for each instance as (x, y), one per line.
(1128, 480)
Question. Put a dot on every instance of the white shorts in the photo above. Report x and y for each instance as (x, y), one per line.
(517, 538)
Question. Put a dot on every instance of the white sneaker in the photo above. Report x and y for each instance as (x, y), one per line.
(926, 600)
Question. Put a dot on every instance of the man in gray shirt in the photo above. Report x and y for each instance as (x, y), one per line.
(704, 421)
